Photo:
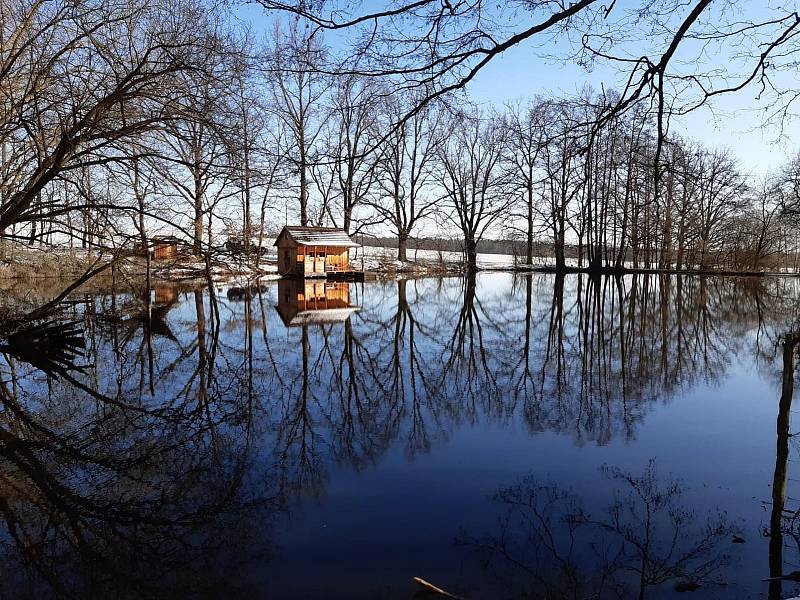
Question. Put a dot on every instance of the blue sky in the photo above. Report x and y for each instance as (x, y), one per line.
(733, 121)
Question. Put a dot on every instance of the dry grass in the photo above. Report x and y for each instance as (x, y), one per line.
(21, 262)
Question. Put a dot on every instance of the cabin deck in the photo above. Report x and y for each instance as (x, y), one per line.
(329, 275)
(345, 275)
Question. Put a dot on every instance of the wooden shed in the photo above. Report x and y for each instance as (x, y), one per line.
(314, 251)
(165, 247)
(303, 303)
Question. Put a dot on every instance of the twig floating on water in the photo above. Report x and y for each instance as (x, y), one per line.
(436, 590)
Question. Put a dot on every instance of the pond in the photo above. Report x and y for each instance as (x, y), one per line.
(501, 436)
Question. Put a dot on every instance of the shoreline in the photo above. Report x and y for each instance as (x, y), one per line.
(37, 266)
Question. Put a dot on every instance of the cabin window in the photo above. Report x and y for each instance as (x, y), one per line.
(321, 254)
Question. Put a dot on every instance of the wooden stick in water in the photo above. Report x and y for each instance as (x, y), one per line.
(436, 590)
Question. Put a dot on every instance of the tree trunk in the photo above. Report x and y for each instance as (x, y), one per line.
(3, 193)
(529, 246)
(246, 200)
(303, 183)
(198, 216)
(779, 475)
(558, 248)
(471, 252)
(402, 243)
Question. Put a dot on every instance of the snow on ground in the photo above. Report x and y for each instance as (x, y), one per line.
(377, 258)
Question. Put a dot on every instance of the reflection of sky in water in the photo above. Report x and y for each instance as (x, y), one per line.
(345, 458)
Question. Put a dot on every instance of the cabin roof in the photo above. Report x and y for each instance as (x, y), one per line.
(317, 236)
(165, 239)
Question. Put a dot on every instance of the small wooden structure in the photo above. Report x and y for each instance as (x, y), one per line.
(315, 252)
(165, 247)
(313, 302)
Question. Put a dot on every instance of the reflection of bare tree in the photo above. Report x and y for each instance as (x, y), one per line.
(782, 521)
(244, 410)
(298, 443)
(417, 414)
(103, 501)
(412, 377)
(466, 366)
(50, 347)
(111, 490)
(582, 356)
(550, 546)
(619, 344)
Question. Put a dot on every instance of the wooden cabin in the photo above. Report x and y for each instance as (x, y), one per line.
(313, 302)
(314, 251)
(165, 247)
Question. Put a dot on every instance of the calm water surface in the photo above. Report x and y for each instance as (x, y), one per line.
(502, 437)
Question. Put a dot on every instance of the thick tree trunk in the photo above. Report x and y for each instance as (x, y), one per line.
(402, 243)
(471, 252)
(558, 249)
(595, 261)
(3, 195)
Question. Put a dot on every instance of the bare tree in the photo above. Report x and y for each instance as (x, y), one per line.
(472, 178)
(355, 119)
(133, 59)
(298, 93)
(443, 46)
(562, 174)
(406, 170)
(524, 141)
(197, 160)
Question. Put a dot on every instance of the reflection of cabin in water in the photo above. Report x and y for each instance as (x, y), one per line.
(166, 295)
(314, 302)
(315, 252)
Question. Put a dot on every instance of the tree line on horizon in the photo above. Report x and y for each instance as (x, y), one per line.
(122, 120)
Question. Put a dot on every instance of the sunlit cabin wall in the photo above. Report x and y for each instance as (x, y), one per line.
(317, 260)
(301, 259)
(165, 251)
(337, 259)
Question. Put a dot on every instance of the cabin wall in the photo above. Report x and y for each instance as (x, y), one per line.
(337, 259)
(165, 251)
(287, 259)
